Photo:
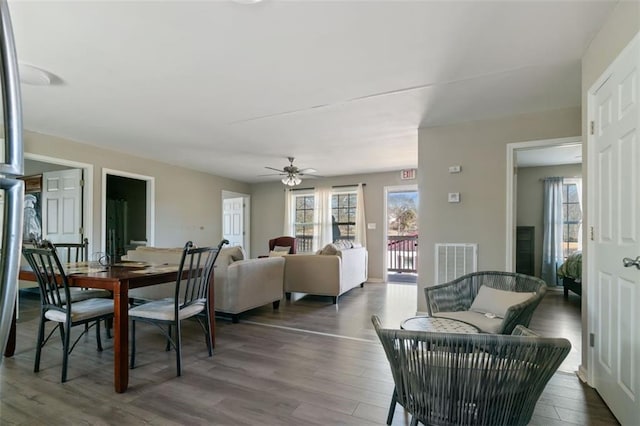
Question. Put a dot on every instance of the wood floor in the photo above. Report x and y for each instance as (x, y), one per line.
(311, 362)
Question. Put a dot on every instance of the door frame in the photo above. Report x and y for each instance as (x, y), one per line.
(246, 217)
(385, 222)
(87, 189)
(512, 196)
(151, 202)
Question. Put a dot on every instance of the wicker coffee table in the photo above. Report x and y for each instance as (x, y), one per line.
(441, 325)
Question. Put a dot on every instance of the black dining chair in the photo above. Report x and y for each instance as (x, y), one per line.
(191, 300)
(58, 306)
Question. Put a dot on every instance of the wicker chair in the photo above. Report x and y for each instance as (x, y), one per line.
(470, 379)
(453, 299)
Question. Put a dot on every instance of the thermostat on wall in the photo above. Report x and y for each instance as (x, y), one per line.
(454, 197)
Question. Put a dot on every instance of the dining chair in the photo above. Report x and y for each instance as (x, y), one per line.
(189, 301)
(469, 379)
(58, 306)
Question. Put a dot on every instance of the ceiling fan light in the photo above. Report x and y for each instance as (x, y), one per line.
(291, 180)
(297, 180)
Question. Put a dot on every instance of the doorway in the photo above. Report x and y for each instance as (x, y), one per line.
(401, 234)
(236, 219)
(127, 212)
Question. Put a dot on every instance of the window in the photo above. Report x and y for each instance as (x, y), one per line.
(343, 216)
(571, 217)
(312, 227)
(303, 220)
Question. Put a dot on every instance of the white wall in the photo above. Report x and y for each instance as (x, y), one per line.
(188, 203)
(530, 203)
(480, 148)
(267, 212)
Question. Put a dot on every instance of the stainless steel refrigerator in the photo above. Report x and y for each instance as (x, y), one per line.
(11, 167)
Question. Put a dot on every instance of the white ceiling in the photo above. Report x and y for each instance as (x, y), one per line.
(229, 88)
(550, 156)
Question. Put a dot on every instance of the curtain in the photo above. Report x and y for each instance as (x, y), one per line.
(323, 231)
(288, 222)
(579, 188)
(361, 223)
(552, 243)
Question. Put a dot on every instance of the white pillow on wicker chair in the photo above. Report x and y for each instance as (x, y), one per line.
(493, 301)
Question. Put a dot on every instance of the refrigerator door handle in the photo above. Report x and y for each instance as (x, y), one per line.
(13, 162)
(10, 254)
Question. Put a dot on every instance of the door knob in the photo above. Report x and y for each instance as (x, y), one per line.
(628, 262)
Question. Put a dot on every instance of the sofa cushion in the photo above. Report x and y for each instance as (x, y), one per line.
(278, 253)
(493, 301)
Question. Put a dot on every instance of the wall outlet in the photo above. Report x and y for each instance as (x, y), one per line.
(455, 169)
(454, 197)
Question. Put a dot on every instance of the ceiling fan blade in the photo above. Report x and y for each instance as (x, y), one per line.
(306, 175)
(274, 174)
(309, 170)
(272, 168)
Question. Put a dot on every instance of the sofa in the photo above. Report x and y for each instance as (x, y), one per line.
(240, 284)
(332, 271)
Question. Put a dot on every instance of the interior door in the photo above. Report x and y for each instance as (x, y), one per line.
(62, 206)
(233, 221)
(614, 297)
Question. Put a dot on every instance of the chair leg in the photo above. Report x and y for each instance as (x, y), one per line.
(414, 421)
(207, 336)
(334, 299)
(36, 365)
(98, 339)
(168, 347)
(65, 357)
(133, 344)
(287, 295)
(392, 407)
(178, 343)
(235, 318)
(276, 304)
(108, 324)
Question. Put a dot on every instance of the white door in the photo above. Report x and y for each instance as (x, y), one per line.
(614, 296)
(233, 221)
(62, 206)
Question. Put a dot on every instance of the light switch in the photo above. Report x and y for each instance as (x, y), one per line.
(454, 197)
(455, 169)
(371, 226)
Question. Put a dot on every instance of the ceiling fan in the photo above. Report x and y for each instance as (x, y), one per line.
(291, 174)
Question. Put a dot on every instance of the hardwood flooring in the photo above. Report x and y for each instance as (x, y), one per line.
(310, 362)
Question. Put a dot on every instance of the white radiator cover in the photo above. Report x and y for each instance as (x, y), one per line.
(455, 260)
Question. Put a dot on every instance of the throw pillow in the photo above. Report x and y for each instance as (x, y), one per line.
(493, 301)
(282, 248)
(274, 253)
(236, 253)
(330, 249)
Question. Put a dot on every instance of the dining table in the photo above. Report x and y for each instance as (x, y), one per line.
(118, 280)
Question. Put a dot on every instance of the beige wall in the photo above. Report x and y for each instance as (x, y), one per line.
(267, 212)
(530, 203)
(188, 203)
(623, 24)
(480, 148)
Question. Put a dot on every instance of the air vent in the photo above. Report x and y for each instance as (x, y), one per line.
(455, 260)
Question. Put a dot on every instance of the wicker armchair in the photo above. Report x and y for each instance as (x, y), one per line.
(470, 379)
(453, 299)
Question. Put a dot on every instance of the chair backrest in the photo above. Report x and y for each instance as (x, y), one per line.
(52, 280)
(470, 379)
(197, 263)
(283, 242)
(73, 252)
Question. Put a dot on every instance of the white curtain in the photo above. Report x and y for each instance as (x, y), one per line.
(288, 222)
(323, 231)
(361, 223)
(552, 256)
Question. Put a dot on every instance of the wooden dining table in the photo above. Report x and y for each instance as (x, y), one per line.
(118, 280)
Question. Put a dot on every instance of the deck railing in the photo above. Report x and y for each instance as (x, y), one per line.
(403, 253)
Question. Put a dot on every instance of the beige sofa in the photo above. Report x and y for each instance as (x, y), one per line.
(325, 274)
(240, 284)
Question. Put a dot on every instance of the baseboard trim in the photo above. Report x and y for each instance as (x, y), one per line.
(374, 280)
